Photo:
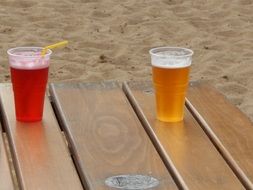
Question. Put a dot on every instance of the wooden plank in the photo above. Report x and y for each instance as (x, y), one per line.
(6, 181)
(230, 130)
(194, 156)
(107, 138)
(40, 155)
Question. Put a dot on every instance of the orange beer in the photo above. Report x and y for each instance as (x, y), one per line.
(170, 80)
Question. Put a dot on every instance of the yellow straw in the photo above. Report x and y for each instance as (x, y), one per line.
(57, 45)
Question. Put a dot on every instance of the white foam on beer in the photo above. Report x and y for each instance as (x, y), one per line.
(171, 59)
(28, 59)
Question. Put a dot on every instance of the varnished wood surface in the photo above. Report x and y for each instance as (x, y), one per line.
(41, 158)
(106, 136)
(6, 182)
(229, 128)
(185, 143)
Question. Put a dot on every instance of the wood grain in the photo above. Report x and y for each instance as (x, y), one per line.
(41, 158)
(185, 143)
(230, 130)
(5, 173)
(107, 138)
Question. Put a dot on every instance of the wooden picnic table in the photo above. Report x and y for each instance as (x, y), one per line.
(98, 136)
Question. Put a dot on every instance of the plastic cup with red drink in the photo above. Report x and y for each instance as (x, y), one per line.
(29, 76)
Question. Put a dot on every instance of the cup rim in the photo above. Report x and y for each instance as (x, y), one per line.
(154, 53)
(9, 52)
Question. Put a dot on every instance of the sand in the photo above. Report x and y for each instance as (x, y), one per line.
(110, 39)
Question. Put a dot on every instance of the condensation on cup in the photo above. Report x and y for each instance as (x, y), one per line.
(170, 69)
(29, 75)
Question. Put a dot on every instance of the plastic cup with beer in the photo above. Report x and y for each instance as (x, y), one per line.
(29, 75)
(170, 70)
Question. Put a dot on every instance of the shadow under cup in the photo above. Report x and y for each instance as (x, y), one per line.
(170, 69)
(29, 75)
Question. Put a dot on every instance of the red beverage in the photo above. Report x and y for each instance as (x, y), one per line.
(29, 88)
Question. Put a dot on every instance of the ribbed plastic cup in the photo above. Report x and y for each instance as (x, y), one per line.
(170, 68)
(29, 75)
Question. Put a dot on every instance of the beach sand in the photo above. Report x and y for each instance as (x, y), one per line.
(110, 39)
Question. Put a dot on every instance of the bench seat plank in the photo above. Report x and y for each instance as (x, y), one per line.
(41, 157)
(193, 154)
(106, 136)
(230, 130)
(6, 181)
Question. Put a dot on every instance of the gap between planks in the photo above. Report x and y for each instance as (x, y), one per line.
(10, 161)
(67, 140)
(165, 158)
(65, 137)
(219, 146)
